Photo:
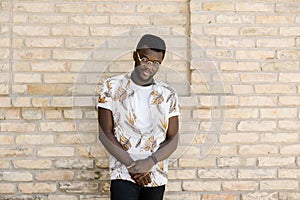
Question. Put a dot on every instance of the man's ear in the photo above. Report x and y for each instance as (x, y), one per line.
(134, 56)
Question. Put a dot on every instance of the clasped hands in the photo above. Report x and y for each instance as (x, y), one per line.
(139, 171)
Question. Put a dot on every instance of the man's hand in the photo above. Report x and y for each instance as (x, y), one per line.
(141, 166)
(141, 179)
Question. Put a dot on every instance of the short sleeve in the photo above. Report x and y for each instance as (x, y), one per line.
(105, 96)
(173, 106)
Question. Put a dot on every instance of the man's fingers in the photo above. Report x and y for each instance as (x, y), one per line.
(131, 165)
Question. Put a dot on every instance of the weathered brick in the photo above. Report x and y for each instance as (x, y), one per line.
(4, 164)
(256, 126)
(44, 42)
(56, 175)
(279, 185)
(257, 173)
(257, 101)
(271, 19)
(107, 30)
(32, 188)
(217, 173)
(179, 196)
(280, 66)
(4, 89)
(255, 54)
(289, 125)
(289, 31)
(16, 176)
(20, 127)
(288, 54)
(5, 102)
(116, 7)
(35, 139)
(278, 43)
(174, 186)
(275, 89)
(258, 31)
(189, 162)
(276, 161)
(239, 138)
(236, 162)
(56, 152)
(279, 137)
(235, 19)
(22, 102)
(201, 186)
(290, 149)
(74, 164)
(75, 138)
(258, 149)
(32, 54)
(241, 113)
(90, 19)
(289, 173)
(40, 102)
(47, 19)
(70, 30)
(34, 89)
(260, 195)
(92, 152)
(32, 164)
(178, 19)
(27, 30)
(242, 89)
(4, 54)
(289, 195)
(6, 140)
(239, 185)
(220, 197)
(221, 31)
(58, 126)
(218, 6)
(278, 113)
(254, 7)
(235, 42)
(20, 18)
(130, 20)
(7, 188)
(70, 54)
(182, 174)
(289, 77)
(287, 7)
(159, 8)
(93, 175)
(15, 152)
(81, 187)
(61, 102)
(33, 7)
(74, 8)
(59, 78)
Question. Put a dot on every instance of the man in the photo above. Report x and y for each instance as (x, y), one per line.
(138, 118)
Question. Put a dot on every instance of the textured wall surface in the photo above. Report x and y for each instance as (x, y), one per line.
(235, 65)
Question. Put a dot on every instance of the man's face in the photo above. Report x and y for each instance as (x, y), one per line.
(147, 63)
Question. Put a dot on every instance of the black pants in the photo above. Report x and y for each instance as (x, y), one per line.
(126, 190)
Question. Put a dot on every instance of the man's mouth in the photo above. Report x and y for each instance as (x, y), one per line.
(146, 72)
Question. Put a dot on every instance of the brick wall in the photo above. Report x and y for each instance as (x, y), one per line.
(235, 65)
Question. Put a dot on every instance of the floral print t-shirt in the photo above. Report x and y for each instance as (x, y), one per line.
(118, 95)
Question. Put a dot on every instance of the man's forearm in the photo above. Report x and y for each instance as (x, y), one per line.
(166, 148)
(115, 148)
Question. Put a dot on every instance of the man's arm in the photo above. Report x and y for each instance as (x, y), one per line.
(107, 138)
(110, 142)
(164, 151)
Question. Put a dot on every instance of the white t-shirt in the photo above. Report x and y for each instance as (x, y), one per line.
(141, 106)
